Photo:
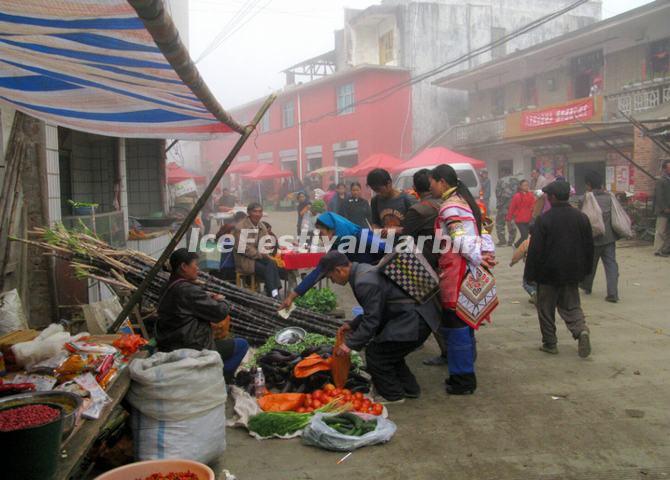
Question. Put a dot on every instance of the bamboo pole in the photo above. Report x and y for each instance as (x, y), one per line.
(190, 218)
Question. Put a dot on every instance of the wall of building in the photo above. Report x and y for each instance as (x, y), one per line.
(382, 126)
(625, 67)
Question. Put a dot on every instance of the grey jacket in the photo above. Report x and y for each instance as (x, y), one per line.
(389, 315)
(604, 200)
(184, 316)
(662, 196)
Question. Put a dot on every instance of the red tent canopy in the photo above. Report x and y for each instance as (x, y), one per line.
(378, 160)
(243, 167)
(437, 156)
(176, 174)
(267, 171)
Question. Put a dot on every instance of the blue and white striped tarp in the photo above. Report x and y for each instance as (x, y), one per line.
(92, 66)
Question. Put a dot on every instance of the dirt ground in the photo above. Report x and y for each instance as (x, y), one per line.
(534, 416)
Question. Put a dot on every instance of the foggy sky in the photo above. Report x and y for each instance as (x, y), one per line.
(248, 64)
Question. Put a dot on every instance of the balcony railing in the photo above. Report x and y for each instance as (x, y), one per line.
(638, 98)
(480, 131)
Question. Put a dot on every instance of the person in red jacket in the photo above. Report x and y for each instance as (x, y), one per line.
(521, 210)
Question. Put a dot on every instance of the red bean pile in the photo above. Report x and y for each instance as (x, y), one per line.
(172, 476)
(25, 417)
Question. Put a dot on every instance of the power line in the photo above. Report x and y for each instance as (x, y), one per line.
(382, 94)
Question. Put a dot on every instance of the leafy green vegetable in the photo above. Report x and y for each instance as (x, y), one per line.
(267, 424)
(320, 300)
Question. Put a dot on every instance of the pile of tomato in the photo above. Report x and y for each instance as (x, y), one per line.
(341, 397)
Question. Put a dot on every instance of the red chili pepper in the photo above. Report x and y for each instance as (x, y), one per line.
(172, 476)
(27, 416)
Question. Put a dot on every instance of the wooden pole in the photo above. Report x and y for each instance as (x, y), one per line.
(190, 218)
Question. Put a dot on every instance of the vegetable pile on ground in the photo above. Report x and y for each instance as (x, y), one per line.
(188, 475)
(350, 424)
(270, 424)
(344, 397)
(320, 300)
(26, 417)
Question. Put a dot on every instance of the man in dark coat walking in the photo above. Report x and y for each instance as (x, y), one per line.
(560, 256)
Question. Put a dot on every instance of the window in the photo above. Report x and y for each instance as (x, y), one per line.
(345, 99)
(386, 53)
(287, 115)
(499, 50)
(587, 74)
(143, 167)
(265, 122)
(659, 58)
(529, 92)
(498, 101)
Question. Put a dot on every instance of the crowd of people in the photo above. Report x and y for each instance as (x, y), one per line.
(556, 241)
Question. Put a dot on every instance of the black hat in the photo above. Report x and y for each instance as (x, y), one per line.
(331, 260)
(559, 188)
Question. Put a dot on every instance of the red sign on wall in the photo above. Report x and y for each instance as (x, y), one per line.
(550, 117)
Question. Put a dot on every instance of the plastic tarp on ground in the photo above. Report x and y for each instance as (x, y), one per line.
(91, 65)
(378, 160)
(436, 156)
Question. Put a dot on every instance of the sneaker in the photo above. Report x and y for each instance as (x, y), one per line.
(546, 348)
(612, 299)
(533, 298)
(413, 395)
(377, 398)
(585, 291)
(661, 254)
(584, 344)
(435, 361)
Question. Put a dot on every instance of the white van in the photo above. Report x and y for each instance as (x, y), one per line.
(466, 174)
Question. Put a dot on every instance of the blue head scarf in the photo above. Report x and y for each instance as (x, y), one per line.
(339, 224)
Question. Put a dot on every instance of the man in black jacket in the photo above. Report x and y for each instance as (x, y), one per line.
(560, 255)
(391, 327)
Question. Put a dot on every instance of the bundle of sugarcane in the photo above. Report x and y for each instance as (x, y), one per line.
(254, 316)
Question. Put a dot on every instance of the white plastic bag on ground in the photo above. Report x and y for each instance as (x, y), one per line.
(201, 438)
(621, 223)
(177, 385)
(12, 317)
(592, 210)
(47, 344)
(179, 405)
(318, 434)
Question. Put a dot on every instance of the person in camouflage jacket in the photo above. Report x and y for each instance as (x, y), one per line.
(505, 189)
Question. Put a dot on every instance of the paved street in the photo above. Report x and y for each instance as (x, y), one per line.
(533, 415)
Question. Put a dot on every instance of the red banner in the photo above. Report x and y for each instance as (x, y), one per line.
(550, 117)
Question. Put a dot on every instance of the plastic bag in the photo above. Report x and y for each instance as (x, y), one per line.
(621, 223)
(340, 365)
(47, 344)
(177, 385)
(281, 402)
(201, 438)
(12, 317)
(318, 434)
(592, 210)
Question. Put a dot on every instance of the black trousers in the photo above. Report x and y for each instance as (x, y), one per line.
(385, 362)
(269, 272)
(524, 228)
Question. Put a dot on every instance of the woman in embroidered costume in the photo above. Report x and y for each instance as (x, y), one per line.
(459, 223)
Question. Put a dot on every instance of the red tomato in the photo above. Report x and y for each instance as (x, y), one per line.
(377, 409)
(358, 396)
(309, 410)
(329, 387)
(366, 403)
(346, 391)
(336, 392)
(308, 402)
(301, 410)
(357, 405)
(346, 398)
(317, 404)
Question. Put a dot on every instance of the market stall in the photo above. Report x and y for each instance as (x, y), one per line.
(264, 172)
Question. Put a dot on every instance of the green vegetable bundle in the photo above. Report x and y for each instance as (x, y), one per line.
(320, 300)
(268, 424)
(310, 340)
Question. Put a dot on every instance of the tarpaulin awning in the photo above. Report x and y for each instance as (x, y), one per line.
(93, 65)
(378, 160)
(431, 157)
(176, 174)
(242, 167)
(267, 171)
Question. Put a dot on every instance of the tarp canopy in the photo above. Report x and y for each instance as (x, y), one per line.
(437, 156)
(92, 65)
(176, 174)
(267, 171)
(378, 160)
(242, 167)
